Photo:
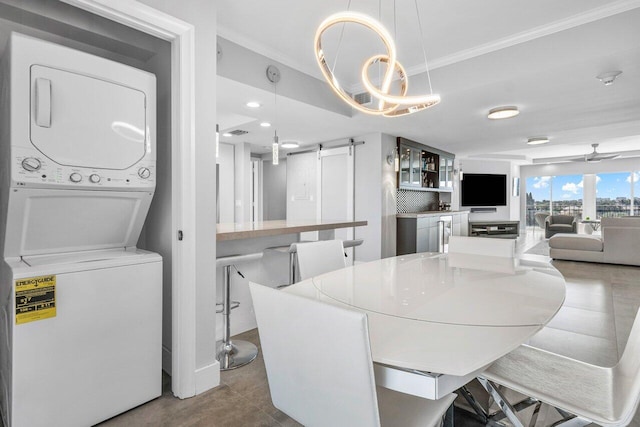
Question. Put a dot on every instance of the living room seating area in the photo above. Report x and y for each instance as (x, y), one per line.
(618, 244)
(554, 224)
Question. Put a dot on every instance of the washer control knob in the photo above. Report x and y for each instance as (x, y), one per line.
(75, 177)
(144, 173)
(31, 164)
(95, 178)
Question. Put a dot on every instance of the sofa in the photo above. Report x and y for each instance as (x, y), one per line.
(618, 244)
(559, 224)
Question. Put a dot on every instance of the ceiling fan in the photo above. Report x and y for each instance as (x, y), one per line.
(595, 156)
(592, 157)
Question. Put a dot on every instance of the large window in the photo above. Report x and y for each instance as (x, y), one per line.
(608, 195)
(613, 194)
(538, 197)
(566, 191)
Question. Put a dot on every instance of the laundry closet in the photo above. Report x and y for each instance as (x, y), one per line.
(84, 191)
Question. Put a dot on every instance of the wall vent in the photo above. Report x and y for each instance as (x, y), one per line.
(362, 98)
(238, 132)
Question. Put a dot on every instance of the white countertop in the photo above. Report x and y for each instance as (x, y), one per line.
(247, 230)
(447, 314)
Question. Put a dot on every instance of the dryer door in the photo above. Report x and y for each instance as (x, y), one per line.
(81, 121)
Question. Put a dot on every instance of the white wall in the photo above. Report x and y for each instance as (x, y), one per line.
(226, 184)
(242, 182)
(589, 197)
(245, 66)
(274, 190)
(202, 14)
(158, 234)
(368, 204)
(389, 196)
(502, 213)
(514, 193)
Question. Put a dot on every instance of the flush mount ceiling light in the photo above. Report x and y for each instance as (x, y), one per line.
(290, 144)
(388, 105)
(227, 135)
(503, 112)
(609, 77)
(538, 140)
(253, 104)
(265, 124)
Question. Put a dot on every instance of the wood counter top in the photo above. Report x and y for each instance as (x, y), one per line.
(248, 230)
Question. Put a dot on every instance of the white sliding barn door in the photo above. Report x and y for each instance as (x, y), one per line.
(336, 190)
(302, 190)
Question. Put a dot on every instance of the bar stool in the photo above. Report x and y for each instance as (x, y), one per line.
(238, 353)
(292, 250)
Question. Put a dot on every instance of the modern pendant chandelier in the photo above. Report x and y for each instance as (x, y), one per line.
(388, 105)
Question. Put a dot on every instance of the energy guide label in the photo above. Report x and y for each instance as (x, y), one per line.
(35, 298)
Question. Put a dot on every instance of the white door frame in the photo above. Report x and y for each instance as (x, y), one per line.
(183, 211)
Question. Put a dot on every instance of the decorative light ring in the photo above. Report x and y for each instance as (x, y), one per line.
(389, 105)
(411, 104)
(372, 24)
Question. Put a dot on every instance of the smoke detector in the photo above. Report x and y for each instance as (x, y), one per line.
(608, 77)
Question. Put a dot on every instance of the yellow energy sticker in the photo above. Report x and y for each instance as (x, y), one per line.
(35, 299)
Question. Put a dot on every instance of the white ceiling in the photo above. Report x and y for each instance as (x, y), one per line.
(542, 56)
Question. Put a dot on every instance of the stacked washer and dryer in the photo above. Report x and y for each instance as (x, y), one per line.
(80, 305)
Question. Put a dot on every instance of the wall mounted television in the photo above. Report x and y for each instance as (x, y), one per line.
(480, 189)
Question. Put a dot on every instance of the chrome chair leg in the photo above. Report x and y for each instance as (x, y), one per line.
(505, 406)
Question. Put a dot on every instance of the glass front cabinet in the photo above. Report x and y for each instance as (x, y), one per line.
(423, 167)
(446, 173)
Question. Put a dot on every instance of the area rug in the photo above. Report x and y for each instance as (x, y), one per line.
(541, 248)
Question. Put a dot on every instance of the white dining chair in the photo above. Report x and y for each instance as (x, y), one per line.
(607, 396)
(319, 257)
(320, 370)
(482, 246)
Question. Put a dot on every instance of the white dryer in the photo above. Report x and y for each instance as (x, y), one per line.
(80, 305)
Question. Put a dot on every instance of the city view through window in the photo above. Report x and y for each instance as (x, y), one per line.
(610, 195)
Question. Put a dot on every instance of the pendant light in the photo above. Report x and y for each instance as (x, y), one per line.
(217, 141)
(273, 75)
(388, 105)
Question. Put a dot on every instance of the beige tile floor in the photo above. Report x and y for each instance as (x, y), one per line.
(593, 326)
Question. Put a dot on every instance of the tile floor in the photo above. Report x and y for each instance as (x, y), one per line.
(593, 326)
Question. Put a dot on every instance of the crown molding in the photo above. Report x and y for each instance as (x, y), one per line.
(268, 51)
(587, 17)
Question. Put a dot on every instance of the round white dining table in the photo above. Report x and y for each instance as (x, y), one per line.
(444, 314)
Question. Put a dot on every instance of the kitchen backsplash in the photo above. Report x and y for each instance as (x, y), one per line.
(408, 201)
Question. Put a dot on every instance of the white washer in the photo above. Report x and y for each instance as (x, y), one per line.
(80, 305)
(100, 354)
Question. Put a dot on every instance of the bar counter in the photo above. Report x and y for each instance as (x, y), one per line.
(272, 267)
(249, 230)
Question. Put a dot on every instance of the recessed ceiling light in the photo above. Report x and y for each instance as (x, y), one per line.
(289, 144)
(265, 124)
(538, 140)
(253, 104)
(503, 112)
(227, 135)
